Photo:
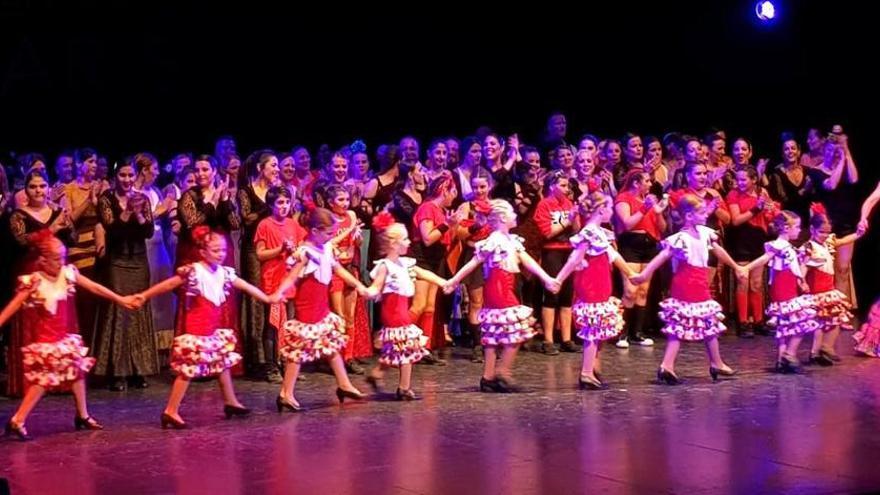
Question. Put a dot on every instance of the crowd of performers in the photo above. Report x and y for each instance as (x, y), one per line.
(264, 266)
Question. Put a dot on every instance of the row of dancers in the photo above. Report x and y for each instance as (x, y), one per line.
(803, 302)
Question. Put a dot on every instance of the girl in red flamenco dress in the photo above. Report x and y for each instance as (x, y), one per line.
(57, 357)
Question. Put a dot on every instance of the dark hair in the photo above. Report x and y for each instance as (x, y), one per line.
(590, 137)
(748, 143)
(255, 162)
(83, 154)
(35, 173)
(631, 177)
(207, 158)
(750, 171)
(388, 156)
(144, 160)
(276, 192)
(440, 185)
(333, 190)
(187, 170)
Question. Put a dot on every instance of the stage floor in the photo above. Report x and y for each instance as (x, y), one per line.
(758, 433)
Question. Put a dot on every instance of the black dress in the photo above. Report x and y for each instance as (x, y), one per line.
(125, 343)
(252, 318)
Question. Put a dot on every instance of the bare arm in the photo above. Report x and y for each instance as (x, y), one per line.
(466, 270)
(869, 204)
(759, 261)
(656, 262)
(574, 259)
(348, 278)
(723, 256)
(624, 268)
(264, 254)
(429, 276)
(162, 287)
(242, 285)
(98, 289)
(14, 305)
(531, 265)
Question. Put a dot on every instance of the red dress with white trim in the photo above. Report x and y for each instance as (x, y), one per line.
(205, 349)
(402, 341)
(832, 306)
(790, 313)
(56, 355)
(503, 320)
(315, 332)
(689, 312)
(597, 314)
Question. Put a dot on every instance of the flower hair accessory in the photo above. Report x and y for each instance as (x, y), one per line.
(817, 209)
(482, 207)
(383, 220)
(201, 234)
(357, 147)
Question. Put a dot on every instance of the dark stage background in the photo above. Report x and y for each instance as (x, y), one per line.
(173, 78)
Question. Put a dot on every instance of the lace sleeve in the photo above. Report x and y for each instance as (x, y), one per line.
(248, 215)
(188, 212)
(105, 212)
(17, 226)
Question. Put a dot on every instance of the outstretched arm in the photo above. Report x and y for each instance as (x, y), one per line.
(657, 262)
(14, 305)
(574, 258)
(429, 276)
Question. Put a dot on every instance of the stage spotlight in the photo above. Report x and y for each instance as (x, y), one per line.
(765, 10)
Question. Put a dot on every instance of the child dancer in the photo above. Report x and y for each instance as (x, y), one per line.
(504, 322)
(832, 305)
(204, 349)
(315, 332)
(690, 313)
(868, 337)
(792, 315)
(597, 314)
(57, 356)
(402, 341)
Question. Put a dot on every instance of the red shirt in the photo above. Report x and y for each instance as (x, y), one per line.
(272, 234)
(549, 213)
(430, 211)
(648, 223)
(746, 202)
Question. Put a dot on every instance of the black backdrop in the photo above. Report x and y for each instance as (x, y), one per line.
(172, 78)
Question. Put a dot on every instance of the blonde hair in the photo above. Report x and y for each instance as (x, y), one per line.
(499, 207)
(390, 234)
(591, 202)
(689, 203)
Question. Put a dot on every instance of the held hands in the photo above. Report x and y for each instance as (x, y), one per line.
(741, 273)
(276, 297)
(132, 302)
(638, 278)
(803, 285)
(553, 285)
(449, 287)
(862, 229)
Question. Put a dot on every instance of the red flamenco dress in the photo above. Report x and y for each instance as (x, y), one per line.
(597, 314)
(503, 320)
(690, 313)
(402, 341)
(360, 344)
(206, 347)
(56, 357)
(789, 313)
(315, 332)
(832, 306)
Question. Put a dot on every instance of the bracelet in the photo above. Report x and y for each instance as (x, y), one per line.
(442, 228)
